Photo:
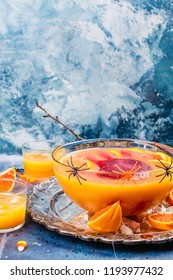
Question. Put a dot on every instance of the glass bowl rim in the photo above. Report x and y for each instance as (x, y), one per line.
(94, 140)
(27, 148)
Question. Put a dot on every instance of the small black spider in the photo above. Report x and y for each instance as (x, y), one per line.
(75, 170)
(167, 169)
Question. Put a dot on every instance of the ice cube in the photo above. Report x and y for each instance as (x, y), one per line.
(14, 200)
(4, 209)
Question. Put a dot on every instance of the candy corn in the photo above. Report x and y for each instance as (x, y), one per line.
(21, 245)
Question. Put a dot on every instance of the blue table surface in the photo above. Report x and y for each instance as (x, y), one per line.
(44, 244)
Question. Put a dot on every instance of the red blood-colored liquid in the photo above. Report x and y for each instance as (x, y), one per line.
(116, 168)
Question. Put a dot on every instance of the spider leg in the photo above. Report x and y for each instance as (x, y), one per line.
(160, 167)
(64, 164)
(163, 178)
(134, 182)
(162, 163)
(134, 171)
(133, 166)
(70, 175)
(82, 166)
(171, 164)
(80, 176)
(169, 174)
(72, 165)
(161, 174)
(122, 183)
(119, 168)
(77, 176)
(117, 172)
(164, 166)
(84, 169)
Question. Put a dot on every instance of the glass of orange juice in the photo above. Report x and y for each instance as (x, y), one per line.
(12, 204)
(37, 159)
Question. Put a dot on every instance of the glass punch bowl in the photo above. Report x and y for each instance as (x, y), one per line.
(98, 172)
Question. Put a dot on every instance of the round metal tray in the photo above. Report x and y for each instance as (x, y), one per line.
(48, 205)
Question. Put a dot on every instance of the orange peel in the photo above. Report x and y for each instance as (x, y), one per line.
(169, 198)
(162, 220)
(26, 178)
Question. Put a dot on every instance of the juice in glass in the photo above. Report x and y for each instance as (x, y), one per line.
(99, 176)
(37, 159)
(12, 206)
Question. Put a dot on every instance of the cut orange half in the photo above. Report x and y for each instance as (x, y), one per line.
(5, 185)
(162, 220)
(107, 219)
(170, 198)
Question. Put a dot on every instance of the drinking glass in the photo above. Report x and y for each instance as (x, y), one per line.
(13, 195)
(37, 159)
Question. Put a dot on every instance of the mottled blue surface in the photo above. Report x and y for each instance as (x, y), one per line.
(44, 244)
(104, 67)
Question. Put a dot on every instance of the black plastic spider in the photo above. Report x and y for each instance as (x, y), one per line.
(75, 170)
(167, 169)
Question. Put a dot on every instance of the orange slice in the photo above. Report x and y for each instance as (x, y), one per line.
(107, 219)
(7, 186)
(152, 156)
(162, 220)
(170, 198)
(117, 153)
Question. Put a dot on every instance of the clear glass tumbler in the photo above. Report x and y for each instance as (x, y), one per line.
(37, 159)
(13, 195)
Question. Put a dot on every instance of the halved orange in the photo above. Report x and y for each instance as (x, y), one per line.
(170, 198)
(107, 219)
(162, 220)
(7, 186)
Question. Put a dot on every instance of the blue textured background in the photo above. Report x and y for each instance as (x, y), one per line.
(104, 67)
